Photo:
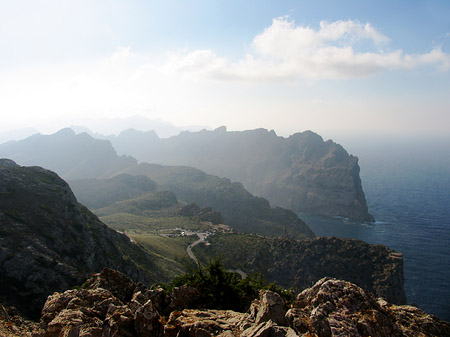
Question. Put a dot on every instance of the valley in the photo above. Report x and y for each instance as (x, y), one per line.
(160, 223)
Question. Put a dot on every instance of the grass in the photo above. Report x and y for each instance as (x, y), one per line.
(173, 248)
(130, 223)
(236, 251)
(169, 253)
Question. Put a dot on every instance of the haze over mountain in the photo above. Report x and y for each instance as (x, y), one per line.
(301, 172)
(18, 134)
(71, 156)
(104, 127)
(80, 156)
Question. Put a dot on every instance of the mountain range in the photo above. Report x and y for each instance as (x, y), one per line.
(301, 172)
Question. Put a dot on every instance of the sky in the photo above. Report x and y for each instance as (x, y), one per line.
(334, 67)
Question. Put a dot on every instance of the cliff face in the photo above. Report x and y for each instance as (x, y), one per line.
(49, 242)
(111, 305)
(300, 264)
(301, 172)
(375, 268)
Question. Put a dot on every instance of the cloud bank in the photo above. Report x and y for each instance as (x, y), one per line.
(281, 82)
(286, 51)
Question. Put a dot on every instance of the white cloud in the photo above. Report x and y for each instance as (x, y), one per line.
(203, 87)
(350, 30)
(285, 51)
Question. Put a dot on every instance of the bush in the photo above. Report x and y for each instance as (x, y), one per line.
(221, 289)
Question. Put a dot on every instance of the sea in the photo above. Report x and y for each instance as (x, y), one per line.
(409, 196)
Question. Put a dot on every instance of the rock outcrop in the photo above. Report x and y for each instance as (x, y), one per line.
(338, 308)
(330, 308)
(302, 172)
(13, 325)
(49, 242)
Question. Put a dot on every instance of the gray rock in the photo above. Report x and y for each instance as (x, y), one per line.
(269, 306)
(49, 242)
(330, 308)
(338, 308)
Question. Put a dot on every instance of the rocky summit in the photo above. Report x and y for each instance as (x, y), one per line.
(49, 242)
(330, 308)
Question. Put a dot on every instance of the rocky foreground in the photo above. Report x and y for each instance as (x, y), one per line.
(111, 304)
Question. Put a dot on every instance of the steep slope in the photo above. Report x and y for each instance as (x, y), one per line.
(71, 156)
(240, 209)
(301, 172)
(299, 264)
(97, 193)
(49, 242)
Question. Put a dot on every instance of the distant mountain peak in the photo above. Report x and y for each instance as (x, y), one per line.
(8, 163)
(65, 132)
(222, 128)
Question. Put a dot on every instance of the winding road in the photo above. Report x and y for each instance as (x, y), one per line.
(202, 239)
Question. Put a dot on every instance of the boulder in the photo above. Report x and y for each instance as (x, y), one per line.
(330, 308)
(269, 306)
(120, 285)
(339, 308)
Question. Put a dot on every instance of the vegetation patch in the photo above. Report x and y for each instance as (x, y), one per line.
(222, 289)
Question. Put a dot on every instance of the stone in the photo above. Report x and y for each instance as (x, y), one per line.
(269, 306)
(268, 329)
(146, 320)
(339, 308)
(120, 285)
(331, 307)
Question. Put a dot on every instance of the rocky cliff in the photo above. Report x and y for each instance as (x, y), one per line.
(299, 264)
(49, 242)
(112, 305)
(301, 172)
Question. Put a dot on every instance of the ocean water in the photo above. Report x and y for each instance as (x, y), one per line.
(411, 205)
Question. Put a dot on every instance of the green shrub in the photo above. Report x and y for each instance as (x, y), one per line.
(222, 289)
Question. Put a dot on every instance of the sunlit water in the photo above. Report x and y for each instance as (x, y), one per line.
(413, 217)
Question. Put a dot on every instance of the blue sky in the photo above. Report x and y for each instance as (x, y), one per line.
(335, 67)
